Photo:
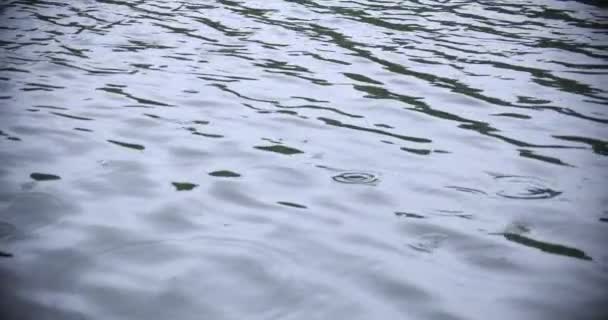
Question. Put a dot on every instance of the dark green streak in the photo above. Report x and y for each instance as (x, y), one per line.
(422, 152)
(279, 149)
(532, 155)
(70, 116)
(337, 123)
(127, 145)
(44, 176)
(291, 204)
(184, 186)
(362, 78)
(547, 247)
(225, 174)
(600, 147)
(208, 135)
(409, 215)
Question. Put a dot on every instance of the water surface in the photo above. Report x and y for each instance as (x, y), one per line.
(303, 159)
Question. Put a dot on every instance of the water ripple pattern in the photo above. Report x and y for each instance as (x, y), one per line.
(524, 188)
(303, 159)
(356, 178)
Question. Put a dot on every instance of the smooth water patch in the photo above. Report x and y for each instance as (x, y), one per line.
(7, 230)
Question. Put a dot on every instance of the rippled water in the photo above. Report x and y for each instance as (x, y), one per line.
(303, 159)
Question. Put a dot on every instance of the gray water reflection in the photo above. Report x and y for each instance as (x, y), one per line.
(303, 159)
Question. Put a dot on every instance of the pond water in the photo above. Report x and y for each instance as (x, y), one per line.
(303, 159)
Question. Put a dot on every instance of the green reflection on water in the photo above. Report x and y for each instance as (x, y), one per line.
(547, 247)
(225, 174)
(44, 176)
(291, 204)
(184, 186)
(279, 149)
(128, 145)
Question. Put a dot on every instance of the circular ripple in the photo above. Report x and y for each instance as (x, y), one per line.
(356, 178)
(527, 188)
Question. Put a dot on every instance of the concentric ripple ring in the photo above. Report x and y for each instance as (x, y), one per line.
(525, 188)
(357, 178)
